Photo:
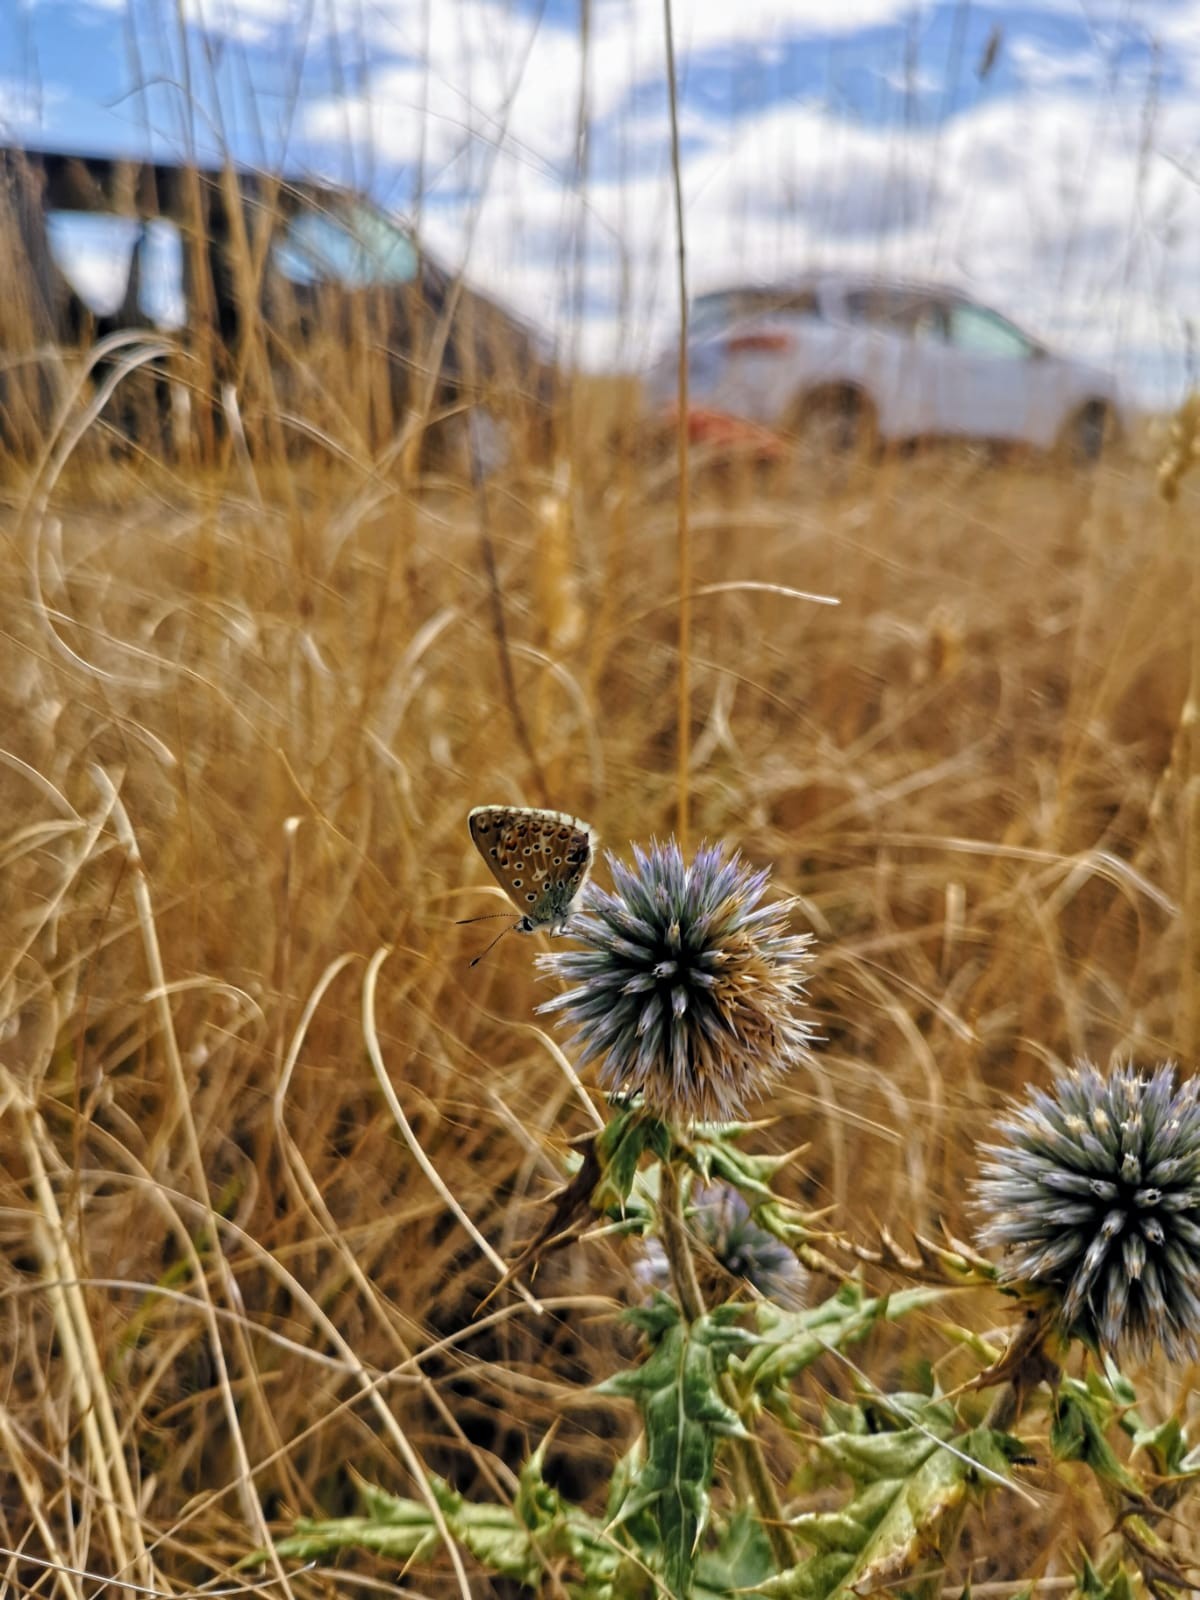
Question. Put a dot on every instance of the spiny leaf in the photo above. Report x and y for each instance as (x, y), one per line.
(619, 1147)
(1173, 1461)
(789, 1341)
(400, 1540)
(538, 1533)
(1111, 1582)
(1156, 1562)
(713, 1156)
(677, 1391)
(895, 1526)
(868, 1458)
(1167, 1447)
(1083, 1413)
(866, 1444)
(742, 1559)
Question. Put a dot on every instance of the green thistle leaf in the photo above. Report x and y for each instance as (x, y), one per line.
(1167, 1447)
(713, 1155)
(1083, 1414)
(742, 1559)
(1113, 1582)
(911, 1499)
(789, 1341)
(620, 1146)
(517, 1542)
(677, 1391)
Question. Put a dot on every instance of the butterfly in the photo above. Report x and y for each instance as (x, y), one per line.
(541, 859)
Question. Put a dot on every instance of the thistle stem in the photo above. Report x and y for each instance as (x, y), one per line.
(1004, 1409)
(750, 1467)
(675, 1243)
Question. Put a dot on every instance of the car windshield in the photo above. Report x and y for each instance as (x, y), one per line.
(355, 246)
(978, 332)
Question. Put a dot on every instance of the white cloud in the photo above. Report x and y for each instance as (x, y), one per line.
(26, 105)
(1074, 205)
(1050, 209)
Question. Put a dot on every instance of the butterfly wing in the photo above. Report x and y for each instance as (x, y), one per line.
(541, 859)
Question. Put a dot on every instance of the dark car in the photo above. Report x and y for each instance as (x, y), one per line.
(283, 309)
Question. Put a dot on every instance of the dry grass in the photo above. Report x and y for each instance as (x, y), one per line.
(241, 731)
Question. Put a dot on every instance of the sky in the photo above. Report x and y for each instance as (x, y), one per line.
(1044, 157)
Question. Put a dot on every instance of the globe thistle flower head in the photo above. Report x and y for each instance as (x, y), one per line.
(687, 989)
(731, 1245)
(1095, 1194)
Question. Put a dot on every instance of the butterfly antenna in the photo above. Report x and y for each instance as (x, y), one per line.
(491, 946)
(490, 916)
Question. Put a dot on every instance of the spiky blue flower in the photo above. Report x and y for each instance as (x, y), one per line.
(731, 1245)
(687, 989)
(1095, 1194)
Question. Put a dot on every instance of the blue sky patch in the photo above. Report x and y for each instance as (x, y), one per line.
(1042, 156)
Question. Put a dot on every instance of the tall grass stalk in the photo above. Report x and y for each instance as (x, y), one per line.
(682, 530)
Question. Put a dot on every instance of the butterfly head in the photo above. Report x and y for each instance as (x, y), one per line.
(546, 924)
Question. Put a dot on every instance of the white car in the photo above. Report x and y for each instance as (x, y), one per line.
(844, 362)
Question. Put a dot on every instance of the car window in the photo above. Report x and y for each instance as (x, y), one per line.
(925, 319)
(788, 303)
(356, 247)
(978, 332)
(94, 252)
(711, 312)
(897, 310)
(162, 296)
(876, 305)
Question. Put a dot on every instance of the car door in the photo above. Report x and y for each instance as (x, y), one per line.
(989, 377)
(761, 352)
(894, 339)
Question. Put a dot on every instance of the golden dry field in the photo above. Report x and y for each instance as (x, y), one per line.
(246, 1073)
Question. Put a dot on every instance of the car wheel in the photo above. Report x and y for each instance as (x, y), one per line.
(1090, 434)
(835, 424)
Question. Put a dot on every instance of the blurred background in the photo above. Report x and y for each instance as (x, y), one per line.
(341, 491)
(1040, 157)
